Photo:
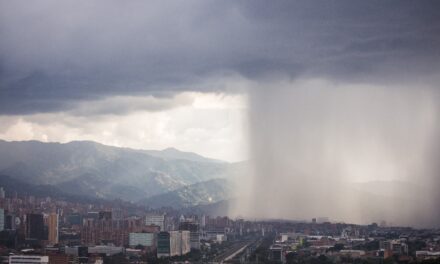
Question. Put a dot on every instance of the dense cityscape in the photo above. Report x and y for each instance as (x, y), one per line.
(45, 230)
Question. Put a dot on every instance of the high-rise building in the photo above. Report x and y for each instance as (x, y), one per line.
(154, 219)
(203, 221)
(2, 193)
(173, 243)
(185, 242)
(35, 226)
(163, 244)
(194, 233)
(9, 221)
(53, 228)
(2, 219)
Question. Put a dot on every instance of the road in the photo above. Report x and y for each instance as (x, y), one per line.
(232, 251)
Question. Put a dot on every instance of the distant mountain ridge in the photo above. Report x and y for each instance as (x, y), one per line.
(85, 167)
(173, 153)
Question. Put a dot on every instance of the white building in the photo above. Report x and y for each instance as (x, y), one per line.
(185, 247)
(220, 238)
(143, 239)
(180, 243)
(173, 243)
(22, 259)
(158, 220)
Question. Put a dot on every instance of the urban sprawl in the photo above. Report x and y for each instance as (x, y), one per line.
(48, 230)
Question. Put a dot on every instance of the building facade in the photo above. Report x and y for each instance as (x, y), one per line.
(53, 228)
(35, 227)
(194, 233)
(163, 244)
(142, 239)
(157, 220)
(173, 243)
(2, 219)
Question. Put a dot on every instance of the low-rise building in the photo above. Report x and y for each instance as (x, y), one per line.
(28, 259)
(276, 253)
(425, 254)
(352, 253)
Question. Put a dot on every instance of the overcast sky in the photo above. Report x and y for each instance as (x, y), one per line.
(156, 74)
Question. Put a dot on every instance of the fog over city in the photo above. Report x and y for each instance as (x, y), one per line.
(332, 106)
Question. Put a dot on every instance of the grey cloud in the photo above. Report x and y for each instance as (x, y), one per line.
(54, 53)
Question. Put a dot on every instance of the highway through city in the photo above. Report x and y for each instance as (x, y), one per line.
(234, 250)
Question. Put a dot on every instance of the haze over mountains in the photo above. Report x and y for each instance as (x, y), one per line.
(94, 170)
(85, 170)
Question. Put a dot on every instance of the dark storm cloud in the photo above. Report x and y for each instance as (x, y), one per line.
(53, 53)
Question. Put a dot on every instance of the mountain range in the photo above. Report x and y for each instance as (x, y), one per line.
(90, 169)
